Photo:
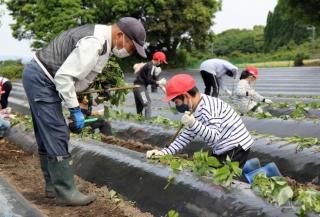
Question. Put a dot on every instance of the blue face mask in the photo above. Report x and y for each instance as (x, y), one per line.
(182, 108)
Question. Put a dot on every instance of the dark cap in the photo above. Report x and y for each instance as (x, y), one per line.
(134, 29)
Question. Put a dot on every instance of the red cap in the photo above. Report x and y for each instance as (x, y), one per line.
(177, 85)
(160, 56)
(253, 71)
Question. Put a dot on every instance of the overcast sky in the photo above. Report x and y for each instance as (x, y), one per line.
(234, 14)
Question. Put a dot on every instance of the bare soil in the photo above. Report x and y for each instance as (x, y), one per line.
(129, 144)
(22, 171)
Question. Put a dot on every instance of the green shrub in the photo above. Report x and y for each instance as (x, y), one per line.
(182, 58)
(11, 69)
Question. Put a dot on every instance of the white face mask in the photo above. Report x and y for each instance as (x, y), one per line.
(120, 53)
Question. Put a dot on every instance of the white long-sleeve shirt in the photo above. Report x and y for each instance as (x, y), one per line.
(83, 65)
(219, 67)
(3, 80)
(217, 124)
(246, 96)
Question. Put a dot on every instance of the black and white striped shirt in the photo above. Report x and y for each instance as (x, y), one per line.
(217, 124)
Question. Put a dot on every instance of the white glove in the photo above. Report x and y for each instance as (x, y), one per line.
(188, 119)
(259, 110)
(162, 82)
(268, 101)
(154, 153)
(229, 92)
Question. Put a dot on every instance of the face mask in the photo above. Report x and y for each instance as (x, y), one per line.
(120, 53)
(182, 108)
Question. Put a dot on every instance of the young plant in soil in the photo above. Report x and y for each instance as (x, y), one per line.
(121, 115)
(281, 190)
(204, 165)
(25, 119)
(303, 142)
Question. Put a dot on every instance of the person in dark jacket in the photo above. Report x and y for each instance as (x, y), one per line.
(144, 77)
(5, 87)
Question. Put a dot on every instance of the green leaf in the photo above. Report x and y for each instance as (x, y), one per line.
(173, 213)
(214, 162)
(176, 165)
(284, 195)
(222, 174)
(170, 181)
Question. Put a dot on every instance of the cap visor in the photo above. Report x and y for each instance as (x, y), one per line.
(168, 98)
(165, 62)
(140, 49)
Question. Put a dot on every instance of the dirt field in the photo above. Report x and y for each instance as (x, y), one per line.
(22, 171)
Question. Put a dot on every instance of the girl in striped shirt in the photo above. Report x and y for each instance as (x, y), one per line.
(213, 120)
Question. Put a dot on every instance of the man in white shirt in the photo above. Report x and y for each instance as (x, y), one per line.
(69, 64)
(213, 72)
(213, 120)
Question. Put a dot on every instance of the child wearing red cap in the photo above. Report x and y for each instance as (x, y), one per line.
(246, 96)
(148, 74)
(213, 120)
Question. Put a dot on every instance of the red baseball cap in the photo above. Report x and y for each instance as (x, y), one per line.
(160, 56)
(252, 70)
(177, 85)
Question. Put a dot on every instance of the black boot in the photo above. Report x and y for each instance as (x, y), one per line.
(63, 181)
(49, 190)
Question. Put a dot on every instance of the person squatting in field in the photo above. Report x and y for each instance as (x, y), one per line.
(208, 118)
(246, 96)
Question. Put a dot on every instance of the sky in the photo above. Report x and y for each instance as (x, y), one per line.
(234, 14)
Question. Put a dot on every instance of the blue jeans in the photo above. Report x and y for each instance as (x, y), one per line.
(50, 128)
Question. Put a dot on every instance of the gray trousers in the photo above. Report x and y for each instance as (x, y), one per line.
(50, 128)
(143, 101)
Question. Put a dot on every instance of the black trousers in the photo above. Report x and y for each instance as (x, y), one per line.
(210, 81)
(236, 154)
(7, 87)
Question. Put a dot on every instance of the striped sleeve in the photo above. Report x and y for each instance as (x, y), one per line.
(180, 142)
(209, 133)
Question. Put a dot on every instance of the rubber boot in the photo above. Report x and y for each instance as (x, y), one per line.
(63, 181)
(49, 190)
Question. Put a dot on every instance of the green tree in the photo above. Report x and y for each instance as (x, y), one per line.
(42, 20)
(305, 11)
(235, 41)
(169, 23)
(281, 29)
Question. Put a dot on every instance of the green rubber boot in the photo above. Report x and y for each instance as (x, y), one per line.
(63, 181)
(49, 190)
